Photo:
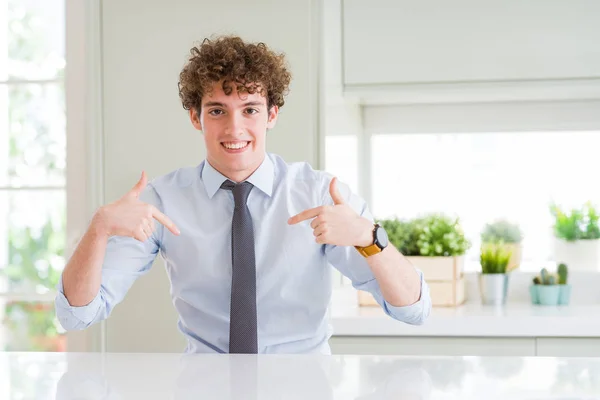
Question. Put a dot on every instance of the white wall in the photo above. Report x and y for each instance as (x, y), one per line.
(144, 45)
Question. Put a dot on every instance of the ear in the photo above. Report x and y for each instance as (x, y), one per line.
(195, 118)
(273, 113)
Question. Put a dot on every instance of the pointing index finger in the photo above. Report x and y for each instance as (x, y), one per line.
(304, 215)
(166, 221)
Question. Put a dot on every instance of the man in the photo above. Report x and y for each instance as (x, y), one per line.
(246, 237)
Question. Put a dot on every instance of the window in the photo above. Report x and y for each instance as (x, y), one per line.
(482, 176)
(477, 176)
(32, 172)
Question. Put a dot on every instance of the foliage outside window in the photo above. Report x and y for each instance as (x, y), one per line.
(36, 158)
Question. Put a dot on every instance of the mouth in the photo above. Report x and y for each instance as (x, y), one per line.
(235, 147)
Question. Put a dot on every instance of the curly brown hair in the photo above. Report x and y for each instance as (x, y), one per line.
(253, 67)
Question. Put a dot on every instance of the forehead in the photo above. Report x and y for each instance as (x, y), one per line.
(217, 94)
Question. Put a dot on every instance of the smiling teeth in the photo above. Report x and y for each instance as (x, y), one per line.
(238, 145)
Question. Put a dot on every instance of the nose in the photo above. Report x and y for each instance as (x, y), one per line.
(235, 125)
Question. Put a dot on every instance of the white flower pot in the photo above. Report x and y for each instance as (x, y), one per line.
(580, 255)
(493, 288)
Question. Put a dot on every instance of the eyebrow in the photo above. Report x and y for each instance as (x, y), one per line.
(217, 104)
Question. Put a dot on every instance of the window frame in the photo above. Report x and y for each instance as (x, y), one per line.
(84, 140)
(7, 296)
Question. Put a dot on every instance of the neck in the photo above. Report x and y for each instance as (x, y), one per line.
(239, 175)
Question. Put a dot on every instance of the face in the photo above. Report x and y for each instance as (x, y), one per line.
(235, 129)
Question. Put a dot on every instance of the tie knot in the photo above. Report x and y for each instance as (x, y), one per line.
(240, 191)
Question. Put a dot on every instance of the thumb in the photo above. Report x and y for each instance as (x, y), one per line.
(139, 186)
(335, 193)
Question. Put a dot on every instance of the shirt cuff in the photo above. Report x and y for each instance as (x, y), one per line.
(74, 316)
(415, 313)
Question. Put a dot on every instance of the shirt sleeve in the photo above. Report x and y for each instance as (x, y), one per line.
(356, 268)
(125, 260)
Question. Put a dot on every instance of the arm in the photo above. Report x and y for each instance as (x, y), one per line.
(119, 246)
(82, 275)
(398, 279)
(344, 222)
(88, 292)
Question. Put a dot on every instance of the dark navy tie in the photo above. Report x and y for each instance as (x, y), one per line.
(242, 314)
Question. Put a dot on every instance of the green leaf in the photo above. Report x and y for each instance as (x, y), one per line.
(494, 258)
(576, 224)
(441, 235)
(434, 234)
(501, 230)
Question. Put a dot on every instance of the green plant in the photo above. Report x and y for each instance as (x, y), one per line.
(576, 224)
(544, 275)
(592, 228)
(501, 230)
(494, 258)
(440, 235)
(33, 326)
(545, 278)
(563, 273)
(402, 234)
(36, 257)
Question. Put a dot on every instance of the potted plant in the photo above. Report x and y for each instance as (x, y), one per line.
(565, 288)
(435, 243)
(493, 278)
(505, 233)
(551, 289)
(441, 245)
(577, 237)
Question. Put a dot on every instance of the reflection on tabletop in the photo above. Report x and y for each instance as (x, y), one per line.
(173, 376)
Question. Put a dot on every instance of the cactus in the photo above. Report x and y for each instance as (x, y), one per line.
(562, 274)
(546, 278)
(544, 275)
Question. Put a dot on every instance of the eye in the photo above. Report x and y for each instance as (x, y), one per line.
(251, 111)
(216, 111)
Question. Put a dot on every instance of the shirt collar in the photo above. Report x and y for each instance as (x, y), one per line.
(262, 178)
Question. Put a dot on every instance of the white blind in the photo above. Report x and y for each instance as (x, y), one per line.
(483, 117)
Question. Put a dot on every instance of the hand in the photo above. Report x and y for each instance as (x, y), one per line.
(131, 217)
(338, 224)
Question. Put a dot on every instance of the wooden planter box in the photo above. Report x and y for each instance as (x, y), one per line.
(365, 299)
(445, 278)
(515, 258)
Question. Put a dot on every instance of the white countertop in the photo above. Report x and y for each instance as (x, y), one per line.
(69, 376)
(470, 319)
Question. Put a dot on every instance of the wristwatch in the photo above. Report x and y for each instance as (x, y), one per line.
(380, 242)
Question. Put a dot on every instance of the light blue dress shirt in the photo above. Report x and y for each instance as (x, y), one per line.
(294, 278)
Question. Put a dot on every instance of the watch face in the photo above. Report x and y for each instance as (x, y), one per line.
(381, 237)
